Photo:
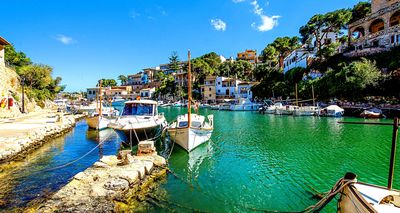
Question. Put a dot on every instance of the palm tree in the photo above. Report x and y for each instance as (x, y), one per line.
(123, 79)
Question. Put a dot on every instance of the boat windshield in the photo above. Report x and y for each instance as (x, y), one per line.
(138, 109)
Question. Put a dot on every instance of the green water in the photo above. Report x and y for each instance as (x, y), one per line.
(254, 162)
(268, 162)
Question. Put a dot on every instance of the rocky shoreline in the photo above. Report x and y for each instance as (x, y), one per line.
(112, 184)
(31, 134)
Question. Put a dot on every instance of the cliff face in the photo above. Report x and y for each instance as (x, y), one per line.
(10, 84)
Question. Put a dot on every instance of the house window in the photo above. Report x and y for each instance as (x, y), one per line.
(219, 83)
(219, 91)
(209, 89)
(209, 95)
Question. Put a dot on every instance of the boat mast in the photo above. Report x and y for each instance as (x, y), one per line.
(189, 90)
(100, 97)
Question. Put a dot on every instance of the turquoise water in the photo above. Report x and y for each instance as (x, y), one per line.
(254, 162)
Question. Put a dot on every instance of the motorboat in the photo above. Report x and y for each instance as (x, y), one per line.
(244, 104)
(191, 130)
(306, 111)
(285, 110)
(372, 113)
(139, 121)
(118, 101)
(332, 111)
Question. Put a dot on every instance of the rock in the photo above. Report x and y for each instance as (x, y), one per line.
(146, 148)
(80, 176)
(100, 165)
(116, 184)
(110, 160)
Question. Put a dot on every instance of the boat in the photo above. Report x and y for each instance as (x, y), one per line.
(118, 101)
(139, 121)
(285, 110)
(306, 111)
(332, 111)
(178, 104)
(372, 113)
(355, 196)
(100, 118)
(191, 130)
(244, 104)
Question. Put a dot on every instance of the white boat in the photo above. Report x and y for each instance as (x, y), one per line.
(362, 197)
(139, 121)
(190, 137)
(306, 111)
(118, 101)
(332, 111)
(244, 104)
(191, 130)
(372, 113)
(100, 121)
(178, 104)
(285, 110)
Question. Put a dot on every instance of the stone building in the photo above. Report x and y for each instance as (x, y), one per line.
(378, 31)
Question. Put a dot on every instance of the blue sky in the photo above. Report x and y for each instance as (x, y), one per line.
(85, 40)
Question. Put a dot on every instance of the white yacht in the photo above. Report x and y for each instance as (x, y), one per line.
(191, 130)
(332, 111)
(286, 110)
(101, 120)
(306, 111)
(244, 104)
(138, 121)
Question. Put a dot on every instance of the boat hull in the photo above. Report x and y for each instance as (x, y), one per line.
(128, 136)
(253, 107)
(97, 122)
(190, 138)
(367, 114)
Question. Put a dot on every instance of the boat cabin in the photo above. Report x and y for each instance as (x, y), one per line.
(196, 120)
(140, 108)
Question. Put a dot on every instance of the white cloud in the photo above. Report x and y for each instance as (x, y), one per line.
(267, 22)
(218, 24)
(238, 1)
(64, 39)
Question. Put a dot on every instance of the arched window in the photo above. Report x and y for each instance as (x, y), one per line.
(359, 32)
(376, 26)
(395, 19)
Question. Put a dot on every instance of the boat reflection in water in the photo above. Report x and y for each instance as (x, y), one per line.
(99, 136)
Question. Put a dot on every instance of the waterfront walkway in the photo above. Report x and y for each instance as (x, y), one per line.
(24, 133)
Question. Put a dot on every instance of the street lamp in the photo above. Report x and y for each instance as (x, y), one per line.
(23, 96)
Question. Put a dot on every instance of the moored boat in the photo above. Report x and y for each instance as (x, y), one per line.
(306, 111)
(372, 113)
(139, 121)
(191, 130)
(285, 110)
(244, 104)
(332, 111)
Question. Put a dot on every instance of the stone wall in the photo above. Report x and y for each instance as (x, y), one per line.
(110, 185)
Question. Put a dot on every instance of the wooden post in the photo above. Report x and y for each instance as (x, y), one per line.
(393, 152)
(295, 88)
(313, 97)
(189, 91)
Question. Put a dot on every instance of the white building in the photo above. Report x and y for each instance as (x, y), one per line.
(3, 43)
(244, 90)
(297, 58)
(91, 93)
(147, 93)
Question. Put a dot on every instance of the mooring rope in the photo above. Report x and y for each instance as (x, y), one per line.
(69, 163)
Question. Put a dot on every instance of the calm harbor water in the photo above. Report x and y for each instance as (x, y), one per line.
(254, 162)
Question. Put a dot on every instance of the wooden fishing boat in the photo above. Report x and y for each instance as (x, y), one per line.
(191, 130)
(364, 197)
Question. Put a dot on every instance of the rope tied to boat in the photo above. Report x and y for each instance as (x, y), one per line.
(349, 178)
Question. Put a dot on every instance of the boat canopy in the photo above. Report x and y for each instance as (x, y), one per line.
(334, 108)
(140, 109)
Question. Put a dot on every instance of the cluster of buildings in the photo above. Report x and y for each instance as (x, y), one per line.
(377, 32)
(144, 83)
